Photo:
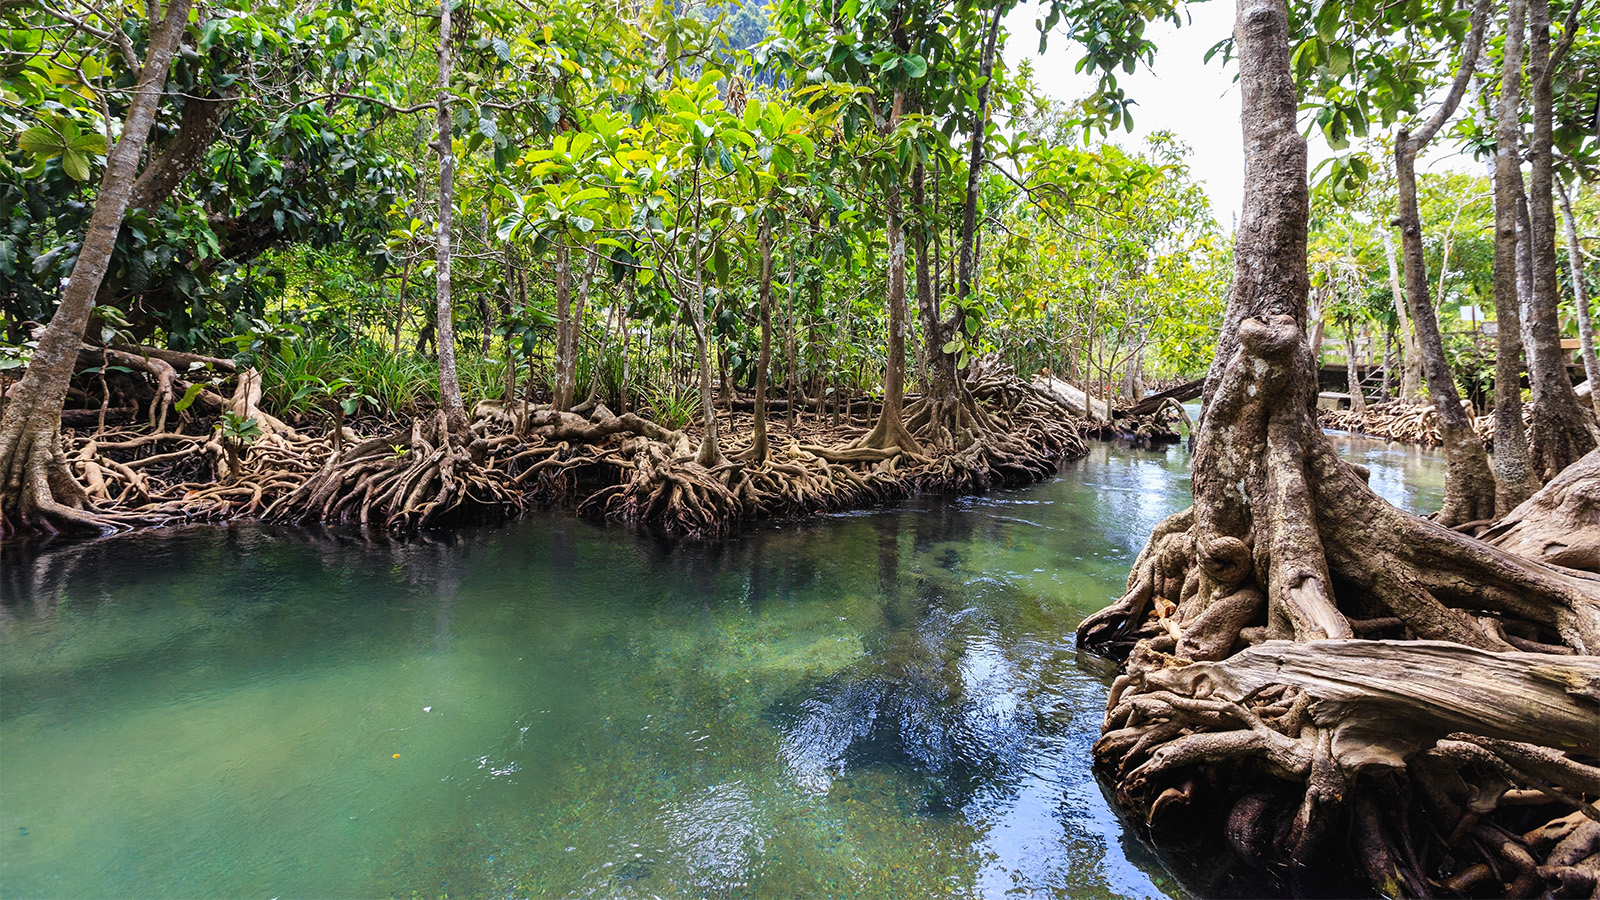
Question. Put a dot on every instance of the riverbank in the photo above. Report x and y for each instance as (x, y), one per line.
(407, 475)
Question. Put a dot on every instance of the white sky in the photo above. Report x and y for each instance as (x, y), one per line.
(1196, 101)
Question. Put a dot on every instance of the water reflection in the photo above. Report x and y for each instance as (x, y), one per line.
(879, 704)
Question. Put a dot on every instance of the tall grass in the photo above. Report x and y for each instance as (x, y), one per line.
(672, 405)
(295, 378)
(481, 377)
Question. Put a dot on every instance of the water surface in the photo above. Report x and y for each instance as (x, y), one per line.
(882, 704)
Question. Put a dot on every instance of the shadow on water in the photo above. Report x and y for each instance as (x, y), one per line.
(885, 703)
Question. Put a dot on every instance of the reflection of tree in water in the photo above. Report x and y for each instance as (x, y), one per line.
(920, 703)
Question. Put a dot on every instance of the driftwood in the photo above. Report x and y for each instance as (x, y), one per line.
(1076, 401)
(1153, 403)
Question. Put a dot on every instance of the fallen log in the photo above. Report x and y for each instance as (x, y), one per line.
(1152, 403)
(1076, 401)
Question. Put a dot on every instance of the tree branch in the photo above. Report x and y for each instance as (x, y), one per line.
(1469, 62)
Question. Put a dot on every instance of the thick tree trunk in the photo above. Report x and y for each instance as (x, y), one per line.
(1562, 429)
(37, 490)
(455, 411)
(1580, 297)
(1319, 763)
(1514, 478)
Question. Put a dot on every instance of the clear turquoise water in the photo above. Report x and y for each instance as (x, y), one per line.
(884, 704)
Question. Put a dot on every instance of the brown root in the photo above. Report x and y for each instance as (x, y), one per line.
(1392, 758)
(624, 468)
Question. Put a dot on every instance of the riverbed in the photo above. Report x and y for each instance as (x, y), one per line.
(879, 704)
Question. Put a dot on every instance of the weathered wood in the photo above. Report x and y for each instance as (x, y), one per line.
(1561, 523)
(1183, 393)
(1384, 700)
(1076, 401)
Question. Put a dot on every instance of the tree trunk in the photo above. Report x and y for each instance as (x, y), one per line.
(455, 411)
(1580, 297)
(37, 489)
(1247, 715)
(566, 357)
(1411, 361)
(1562, 428)
(940, 426)
(758, 444)
(944, 417)
(1352, 373)
(1514, 478)
(890, 431)
(1469, 485)
(791, 384)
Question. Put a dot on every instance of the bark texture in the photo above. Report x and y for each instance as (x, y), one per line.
(890, 432)
(1514, 477)
(455, 411)
(1469, 485)
(1563, 430)
(1580, 297)
(1324, 695)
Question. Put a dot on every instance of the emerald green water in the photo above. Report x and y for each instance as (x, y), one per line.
(885, 704)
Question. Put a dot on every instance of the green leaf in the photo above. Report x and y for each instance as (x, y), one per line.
(188, 397)
(76, 165)
(914, 65)
(719, 261)
(40, 139)
(89, 143)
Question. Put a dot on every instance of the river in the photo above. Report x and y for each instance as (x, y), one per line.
(880, 704)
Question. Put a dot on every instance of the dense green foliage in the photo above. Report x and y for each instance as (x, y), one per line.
(644, 146)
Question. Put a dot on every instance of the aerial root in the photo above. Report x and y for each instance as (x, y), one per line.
(517, 456)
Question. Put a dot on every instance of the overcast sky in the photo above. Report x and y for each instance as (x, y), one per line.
(1197, 101)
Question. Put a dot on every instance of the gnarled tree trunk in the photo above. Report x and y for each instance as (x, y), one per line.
(37, 490)
(1247, 712)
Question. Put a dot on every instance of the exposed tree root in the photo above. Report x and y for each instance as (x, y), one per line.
(1560, 524)
(1407, 423)
(624, 468)
(1256, 700)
